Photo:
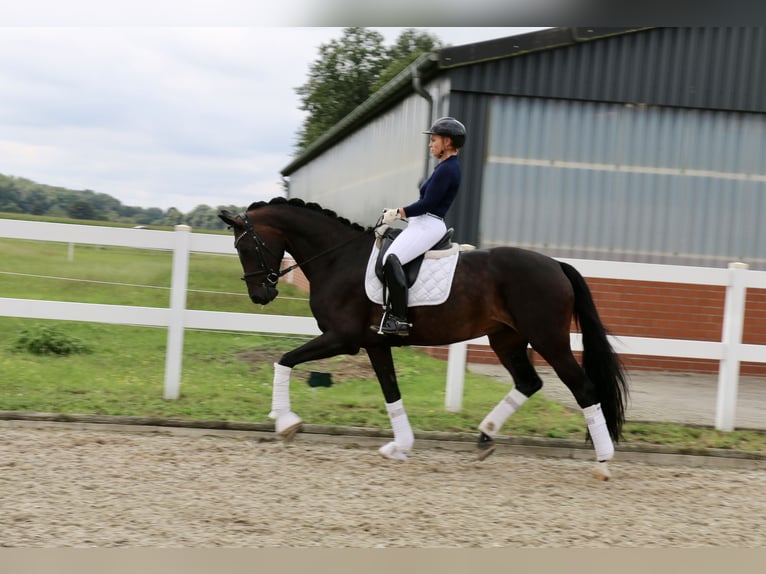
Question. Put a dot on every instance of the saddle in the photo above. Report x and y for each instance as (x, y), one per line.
(412, 268)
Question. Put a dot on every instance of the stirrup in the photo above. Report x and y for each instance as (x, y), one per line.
(392, 325)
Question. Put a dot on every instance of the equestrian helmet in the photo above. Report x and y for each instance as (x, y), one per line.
(451, 128)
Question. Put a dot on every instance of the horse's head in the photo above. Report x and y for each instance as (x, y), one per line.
(260, 253)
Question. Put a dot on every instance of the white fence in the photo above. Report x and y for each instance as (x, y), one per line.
(729, 351)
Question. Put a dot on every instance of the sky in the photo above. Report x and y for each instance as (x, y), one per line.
(160, 115)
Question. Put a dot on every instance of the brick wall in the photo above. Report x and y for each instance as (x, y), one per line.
(655, 310)
(296, 276)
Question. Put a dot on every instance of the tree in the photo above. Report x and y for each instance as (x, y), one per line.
(339, 80)
(10, 198)
(81, 209)
(350, 70)
(202, 217)
(172, 217)
(410, 44)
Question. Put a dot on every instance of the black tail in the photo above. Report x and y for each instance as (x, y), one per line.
(601, 364)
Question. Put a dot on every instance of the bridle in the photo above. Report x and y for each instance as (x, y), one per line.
(272, 276)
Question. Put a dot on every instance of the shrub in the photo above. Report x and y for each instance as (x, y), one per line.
(49, 340)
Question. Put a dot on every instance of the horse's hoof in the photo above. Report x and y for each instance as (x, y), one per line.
(485, 446)
(393, 451)
(288, 425)
(601, 471)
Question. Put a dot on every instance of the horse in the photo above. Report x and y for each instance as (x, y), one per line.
(518, 298)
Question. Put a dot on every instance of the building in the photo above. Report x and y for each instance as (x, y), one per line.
(632, 144)
(644, 145)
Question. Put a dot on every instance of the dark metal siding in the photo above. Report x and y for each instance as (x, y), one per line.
(472, 110)
(599, 180)
(712, 68)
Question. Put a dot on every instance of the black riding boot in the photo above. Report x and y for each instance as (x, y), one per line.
(395, 321)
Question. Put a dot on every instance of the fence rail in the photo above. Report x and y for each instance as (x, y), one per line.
(730, 351)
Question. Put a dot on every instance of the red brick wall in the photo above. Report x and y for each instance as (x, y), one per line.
(296, 276)
(656, 310)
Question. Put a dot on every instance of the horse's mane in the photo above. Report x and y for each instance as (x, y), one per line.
(296, 202)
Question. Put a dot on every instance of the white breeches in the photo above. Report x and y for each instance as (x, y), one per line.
(422, 233)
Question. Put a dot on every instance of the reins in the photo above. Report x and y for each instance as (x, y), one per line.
(273, 276)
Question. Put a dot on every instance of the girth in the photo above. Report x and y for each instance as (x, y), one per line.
(412, 268)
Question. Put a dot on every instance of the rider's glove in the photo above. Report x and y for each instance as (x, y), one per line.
(389, 215)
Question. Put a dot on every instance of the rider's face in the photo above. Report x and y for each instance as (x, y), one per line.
(438, 145)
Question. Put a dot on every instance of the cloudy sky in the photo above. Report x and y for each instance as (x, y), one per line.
(161, 116)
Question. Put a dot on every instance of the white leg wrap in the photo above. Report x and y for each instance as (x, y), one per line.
(504, 409)
(403, 436)
(280, 394)
(599, 432)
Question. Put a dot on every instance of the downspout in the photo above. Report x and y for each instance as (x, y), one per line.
(420, 90)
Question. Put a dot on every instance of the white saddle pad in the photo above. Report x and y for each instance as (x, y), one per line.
(434, 281)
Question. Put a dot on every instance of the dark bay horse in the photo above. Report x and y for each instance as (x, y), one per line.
(515, 297)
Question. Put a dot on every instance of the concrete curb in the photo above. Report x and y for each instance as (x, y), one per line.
(372, 438)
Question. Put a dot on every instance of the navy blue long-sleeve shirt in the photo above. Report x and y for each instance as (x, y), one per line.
(437, 192)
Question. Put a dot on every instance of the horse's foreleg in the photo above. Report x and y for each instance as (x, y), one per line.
(383, 364)
(286, 422)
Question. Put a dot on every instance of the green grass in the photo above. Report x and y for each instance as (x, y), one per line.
(227, 376)
(122, 374)
(42, 270)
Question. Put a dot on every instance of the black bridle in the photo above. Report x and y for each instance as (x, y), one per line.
(272, 276)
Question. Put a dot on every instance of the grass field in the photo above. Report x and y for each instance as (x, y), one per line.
(227, 375)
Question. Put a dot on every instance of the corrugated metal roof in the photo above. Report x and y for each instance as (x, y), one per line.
(711, 68)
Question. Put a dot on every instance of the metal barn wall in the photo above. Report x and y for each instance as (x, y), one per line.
(625, 182)
(378, 166)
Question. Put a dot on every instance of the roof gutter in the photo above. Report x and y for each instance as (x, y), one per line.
(402, 84)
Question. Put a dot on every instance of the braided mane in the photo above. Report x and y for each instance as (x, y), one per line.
(296, 202)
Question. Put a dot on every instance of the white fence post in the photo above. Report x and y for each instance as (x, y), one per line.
(178, 283)
(456, 360)
(728, 372)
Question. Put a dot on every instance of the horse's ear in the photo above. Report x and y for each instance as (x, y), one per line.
(228, 218)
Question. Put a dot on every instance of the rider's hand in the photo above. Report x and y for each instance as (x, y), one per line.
(389, 215)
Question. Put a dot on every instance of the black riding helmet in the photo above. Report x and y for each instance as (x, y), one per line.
(449, 127)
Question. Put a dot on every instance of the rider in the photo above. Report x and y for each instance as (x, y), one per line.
(425, 219)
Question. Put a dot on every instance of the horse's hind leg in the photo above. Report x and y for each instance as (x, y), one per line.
(383, 364)
(511, 349)
(567, 368)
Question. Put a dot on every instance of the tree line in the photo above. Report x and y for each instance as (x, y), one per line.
(20, 195)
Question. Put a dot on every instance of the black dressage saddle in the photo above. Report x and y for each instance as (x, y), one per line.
(412, 268)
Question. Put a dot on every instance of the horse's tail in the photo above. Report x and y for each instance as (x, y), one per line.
(601, 364)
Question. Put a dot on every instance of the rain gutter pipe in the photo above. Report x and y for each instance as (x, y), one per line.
(393, 91)
(420, 90)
